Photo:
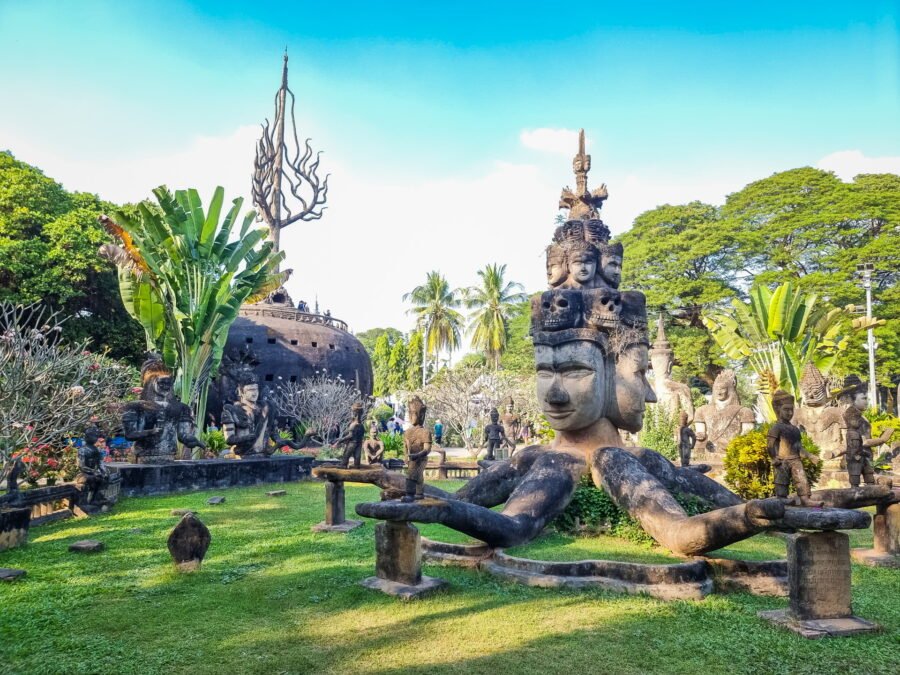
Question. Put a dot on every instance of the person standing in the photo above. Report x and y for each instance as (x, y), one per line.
(438, 432)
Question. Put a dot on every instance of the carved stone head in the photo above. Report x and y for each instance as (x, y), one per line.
(583, 259)
(724, 390)
(557, 269)
(561, 309)
(416, 410)
(247, 386)
(156, 380)
(611, 256)
(813, 386)
(494, 415)
(783, 405)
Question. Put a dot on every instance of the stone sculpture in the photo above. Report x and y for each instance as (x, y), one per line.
(611, 263)
(591, 353)
(724, 418)
(158, 421)
(686, 439)
(250, 423)
(416, 446)
(512, 423)
(674, 396)
(494, 435)
(818, 416)
(786, 450)
(93, 477)
(353, 439)
(373, 446)
(188, 543)
(557, 268)
(859, 441)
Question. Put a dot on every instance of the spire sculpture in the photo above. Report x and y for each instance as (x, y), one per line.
(582, 204)
(286, 186)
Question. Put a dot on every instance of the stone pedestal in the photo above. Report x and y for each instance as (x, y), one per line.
(819, 587)
(335, 510)
(886, 549)
(14, 523)
(398, 562)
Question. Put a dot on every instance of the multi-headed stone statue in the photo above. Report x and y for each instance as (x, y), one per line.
(353, 439)
(674, 396)
(416, 446)
(724, 418)
(158, 421)
(250, 424)
(786, 450)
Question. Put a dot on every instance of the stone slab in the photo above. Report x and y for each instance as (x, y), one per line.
(811, 518)
(344, 527)
(813, 629)
(216, 500)
(405, 591)
(11, 574)
(87, 546)
(276, 493)
(873, 558)
(369, 474)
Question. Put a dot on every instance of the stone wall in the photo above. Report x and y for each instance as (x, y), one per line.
(180, 476)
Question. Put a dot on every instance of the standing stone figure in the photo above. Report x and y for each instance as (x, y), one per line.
(158, 421)
(686, 439)
(786, 450)
(372, 446)
(822, 421)
(416, 446)
(721, 420)
(512, 423)
(674, 396)
(859, 441)
(250, 424)
(92, 476)
(494, 435)
(353, 439)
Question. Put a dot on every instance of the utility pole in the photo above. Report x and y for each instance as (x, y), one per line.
(865, 270)
(424, 354)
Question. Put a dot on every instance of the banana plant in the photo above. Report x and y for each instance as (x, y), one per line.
(778, 333)
(183, 276)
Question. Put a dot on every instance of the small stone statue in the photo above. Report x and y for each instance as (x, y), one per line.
(494, 435)
(859, 441)
(786, 450)
(686, 439)
(92, 476)
(373, 446)
(512, 423)
(158, 421)
(672, 395)
(250, 424)
(416, 446)
(353, 439)
(724, 418)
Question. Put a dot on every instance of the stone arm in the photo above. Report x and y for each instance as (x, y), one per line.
(700, 428)
(131, 430)
(186, 430)
(236, 432)
(772, 445)
(880, 440)
(292, 443)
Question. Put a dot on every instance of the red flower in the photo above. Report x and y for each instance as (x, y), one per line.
(94, 367)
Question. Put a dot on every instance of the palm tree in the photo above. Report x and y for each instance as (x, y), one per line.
(492, 302)
(434, 305)
(184, 277)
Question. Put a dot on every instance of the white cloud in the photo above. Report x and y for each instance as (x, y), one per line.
(850, 163)
(556, 141)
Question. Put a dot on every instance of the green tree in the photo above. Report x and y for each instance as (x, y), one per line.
(183, 278)
(519, 354)
(369, 338)
(434, 306)
(381, 356)
(414, 358)
(492, 303)
(397, 367)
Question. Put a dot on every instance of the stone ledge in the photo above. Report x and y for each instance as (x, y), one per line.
(427, 586)
(873, 558)
(766, 577)
(813, 629)
(344, 527)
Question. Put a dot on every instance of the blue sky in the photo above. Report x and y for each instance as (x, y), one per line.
(450, 119)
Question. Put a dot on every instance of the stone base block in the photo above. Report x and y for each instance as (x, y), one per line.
(188, 566)
(11, 574)
(812, 629)
(346, 526)
(87, 546)
(873, 558)
(405, 591)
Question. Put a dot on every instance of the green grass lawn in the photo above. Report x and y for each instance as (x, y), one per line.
(272, 597)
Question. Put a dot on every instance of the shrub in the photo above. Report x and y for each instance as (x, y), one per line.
(887, 422)
(382, 414)
(215, 441)
(659, 431)
(393, 444)
(748, 467)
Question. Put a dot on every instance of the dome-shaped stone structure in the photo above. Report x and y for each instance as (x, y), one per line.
(289, 345)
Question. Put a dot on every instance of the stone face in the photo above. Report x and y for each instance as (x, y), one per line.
(398, 553)
(87, 546)
(11, 574)
(819, 575)
(215, 500)
(188, 543)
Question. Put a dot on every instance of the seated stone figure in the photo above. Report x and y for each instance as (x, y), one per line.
(818, 416)
(373, 447)
(93, 477)
(158, 421)
(250, 423)
(724, 418)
